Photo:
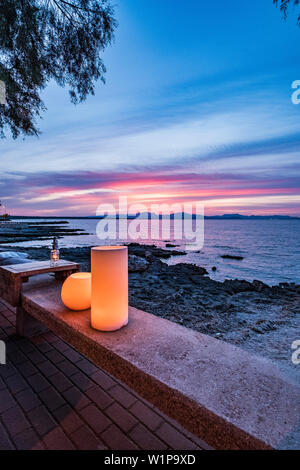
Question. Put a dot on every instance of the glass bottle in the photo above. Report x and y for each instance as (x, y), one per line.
(54, 255)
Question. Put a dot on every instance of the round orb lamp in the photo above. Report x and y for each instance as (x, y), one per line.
(76, 291)
(109, 307)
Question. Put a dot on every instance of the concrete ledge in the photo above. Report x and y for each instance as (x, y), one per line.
(227, 397)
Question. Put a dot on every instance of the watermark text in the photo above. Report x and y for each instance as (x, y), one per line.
(2, 353)
(2, 92)
(180, 222)
(296, 353)
(296, 93)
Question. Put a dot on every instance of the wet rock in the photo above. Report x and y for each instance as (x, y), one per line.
(257, 329)
(152, 251)
(259, 286)
(136, 264)
(239, 258)
(198, 278)
(236, 285)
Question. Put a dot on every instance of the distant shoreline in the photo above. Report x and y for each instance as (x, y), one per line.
(206, 217)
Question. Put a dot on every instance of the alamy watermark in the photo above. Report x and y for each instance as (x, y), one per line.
(296, 94)
(2, 92)
(296, 353)
(181, 222)
(2, 353)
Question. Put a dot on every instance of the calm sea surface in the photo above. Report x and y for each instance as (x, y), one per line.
(270, 248)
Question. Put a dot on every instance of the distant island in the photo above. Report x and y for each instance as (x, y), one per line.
(239, 216)
(147, 215)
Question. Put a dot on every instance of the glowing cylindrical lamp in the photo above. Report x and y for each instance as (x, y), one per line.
(109, 307)
(76, 291)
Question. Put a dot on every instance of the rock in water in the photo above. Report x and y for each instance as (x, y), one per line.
(136, 264)
(239, 258)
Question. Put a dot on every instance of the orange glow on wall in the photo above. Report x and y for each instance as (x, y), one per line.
(109, 307)
(76, 291)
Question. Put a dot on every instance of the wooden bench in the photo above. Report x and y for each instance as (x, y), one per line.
(224, 395)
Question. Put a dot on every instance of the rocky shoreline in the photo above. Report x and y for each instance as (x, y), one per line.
(253, 315)
(12, 232)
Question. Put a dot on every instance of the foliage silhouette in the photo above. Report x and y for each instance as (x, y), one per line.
(41, 40)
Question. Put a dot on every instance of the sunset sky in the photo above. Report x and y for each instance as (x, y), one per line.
(196, 107)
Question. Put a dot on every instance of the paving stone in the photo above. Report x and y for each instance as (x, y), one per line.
(121, 417)
(14, 420)
(145, 415)
(52, 398)
(28, 400)
(41, 420)
(36, 357)
(6, 400)
(145, 439)
(27, 369)
(39, 446)
(27, 440)
(62, 346)
(9, 330)
(104, 380)
(67, 368)
(54, 356)
(47, 368)
(72, 414)
(60, 381)
(115, 439)
(44, 347)
(68, 419)
(6, 370)
(100, 397)
(76, 398)
(199, 442)
(57, 440)
(50, 337)
(5, 442)
(174, 438)
(85, 439)
(25, 345)
(82, 381)
(2, 384)
(72, 355)
(122, 396)
(4, 322)
(86, 366)
(16, 383)
(95, 418)
(38, 382)
(17, 357)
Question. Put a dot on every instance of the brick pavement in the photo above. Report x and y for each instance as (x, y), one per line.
(52, 397)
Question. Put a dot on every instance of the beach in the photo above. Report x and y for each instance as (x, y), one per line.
(260, 318)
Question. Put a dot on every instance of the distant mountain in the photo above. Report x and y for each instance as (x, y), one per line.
(225, 216)
(259, 217)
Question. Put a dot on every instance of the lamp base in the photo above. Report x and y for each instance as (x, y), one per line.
(109, 329)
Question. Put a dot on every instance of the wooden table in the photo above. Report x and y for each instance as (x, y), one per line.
(13, 276)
